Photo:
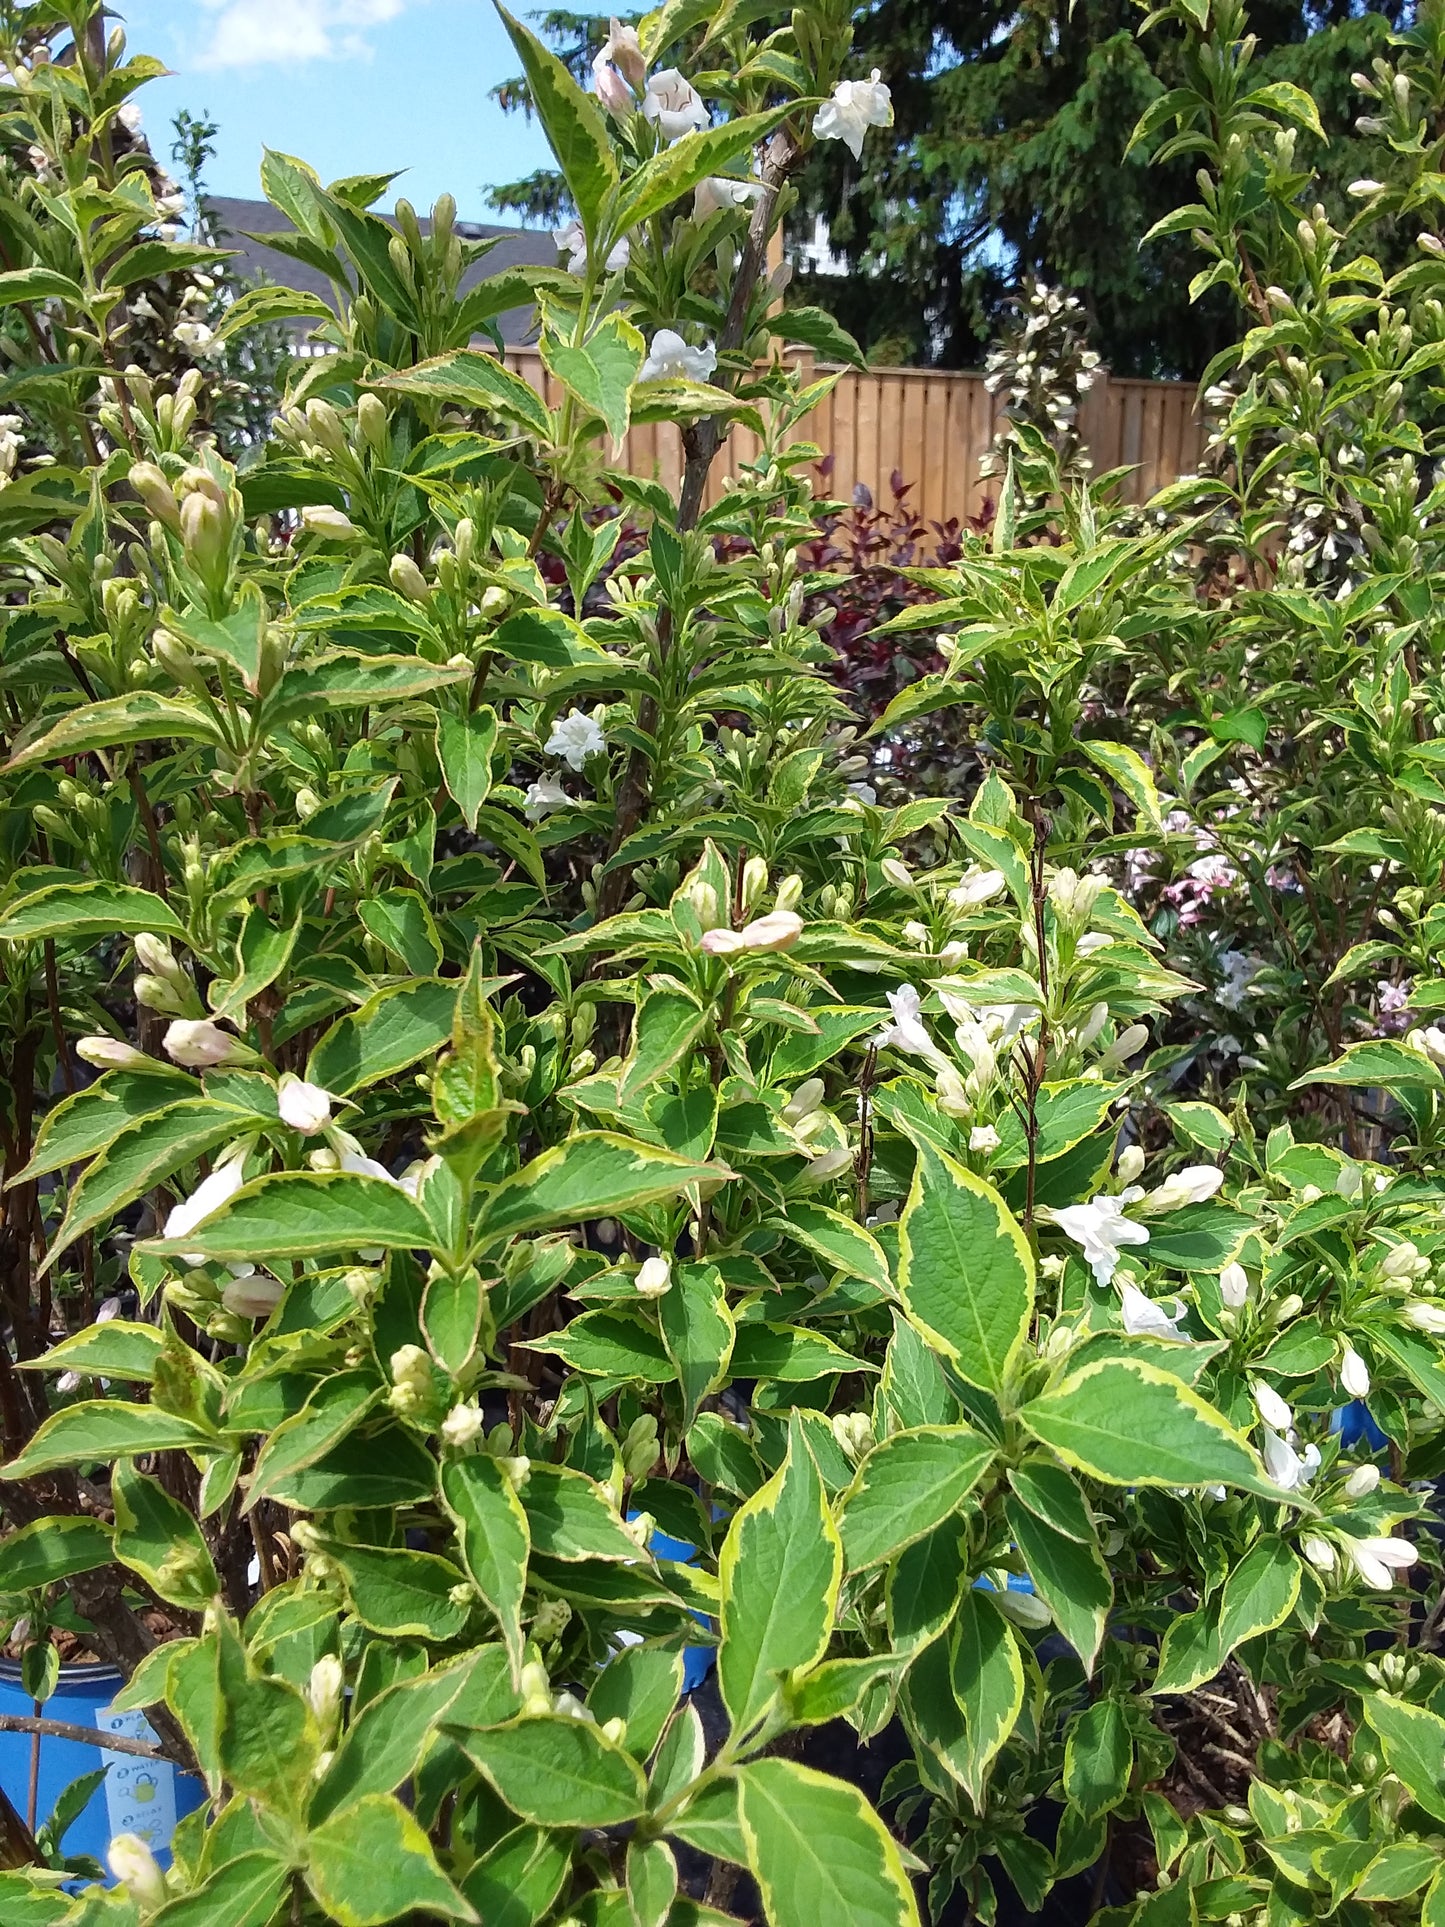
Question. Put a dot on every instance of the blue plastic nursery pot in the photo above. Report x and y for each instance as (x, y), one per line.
(144, 1797)
(1356, 1427)
(697, 1661)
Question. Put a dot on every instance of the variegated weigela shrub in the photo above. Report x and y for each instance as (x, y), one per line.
(524, 1179)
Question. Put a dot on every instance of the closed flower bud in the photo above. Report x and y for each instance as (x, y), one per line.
(136, 1867)
(110, 1054)
(461, 1427)
(1362, 1481)
(779, 930)
(1130, 1167)
(156, 956)
(305, 1107)
(897, 873)
(159, 994)
(255, 1296)
(790, 893)
(150, 484)
(371, 419)
(1234, 1286)
(1426, 1317)
(1354, 1374)
(804, 1101)
(200, 1044)
(324, 1689)
(1319, 1552)
(333, 524)
(654, 1277)
(755, 881)
(407, 579)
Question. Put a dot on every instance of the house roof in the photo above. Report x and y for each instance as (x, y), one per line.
(235, 220)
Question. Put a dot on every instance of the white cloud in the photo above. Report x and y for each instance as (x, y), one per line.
(251, 33)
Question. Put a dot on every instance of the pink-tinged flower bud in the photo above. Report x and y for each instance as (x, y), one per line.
(255, 1296)
(723, 943)
(201, 1045)
(624, 49)
(110, 1054)
(612, 90)
(779, 930)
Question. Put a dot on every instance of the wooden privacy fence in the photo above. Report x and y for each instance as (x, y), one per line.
(935, 427)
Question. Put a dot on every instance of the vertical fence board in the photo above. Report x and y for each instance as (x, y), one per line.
(934, 427)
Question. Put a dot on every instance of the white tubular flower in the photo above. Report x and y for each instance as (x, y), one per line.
(1234, 1286)
(984, 1138)
(1193, 1185)
(1270, 1406)
(674, 104)
(1287, 1468)
(361, 1166)
(978, 886)
(110, 1054)
(1101, 1228)
(654, 1277)
(196, 338)
(543, 797)
(1426, 1317)
(1378, 1560)
(908, 1032)
(256, 1294)
(305, 1107)
(670, 359)
(133, 1863)
(1354, 1374)
(1362, 1482)
(461, 1427)
(856, 106)
(574, 738)
(718, 192)
(202, 1045)
(1144, 1319)
(209, 1195)
(1130, 1165)
(572, 242)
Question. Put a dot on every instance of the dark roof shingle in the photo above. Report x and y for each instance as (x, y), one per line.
(235, 220)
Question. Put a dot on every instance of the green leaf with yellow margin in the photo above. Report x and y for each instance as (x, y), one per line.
(820, 1854)
(371, 1863)
(1131, 1424)
(780, 1570)
(965, 1271)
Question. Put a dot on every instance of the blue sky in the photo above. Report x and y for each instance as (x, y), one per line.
(352, 86)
